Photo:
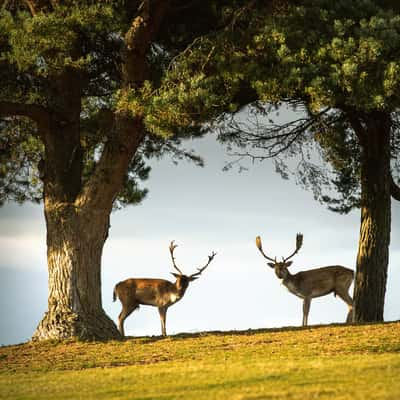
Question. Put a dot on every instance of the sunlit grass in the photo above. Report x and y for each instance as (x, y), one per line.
(340, 362)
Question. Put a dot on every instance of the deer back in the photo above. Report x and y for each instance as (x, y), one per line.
(147, 291)
(320, 281)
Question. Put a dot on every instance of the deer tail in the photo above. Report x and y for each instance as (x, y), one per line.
(115, 293)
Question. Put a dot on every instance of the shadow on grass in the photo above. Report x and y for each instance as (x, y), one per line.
(249, 332)
(187, 335)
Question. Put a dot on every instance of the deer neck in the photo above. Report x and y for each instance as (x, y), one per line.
(179, 290)
(287, 280)
(291, 284)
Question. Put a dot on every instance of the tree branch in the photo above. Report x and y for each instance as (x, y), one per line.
(31, 7)
(278, 137)
(33, 111)
(107, 180)
(357, 127)
(138, 39)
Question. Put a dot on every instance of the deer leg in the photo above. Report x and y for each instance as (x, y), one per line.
(349, 301)
(126, 311)
(163, 317)
(306, 309)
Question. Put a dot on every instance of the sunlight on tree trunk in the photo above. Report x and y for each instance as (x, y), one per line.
(373, 250)
(75, 242)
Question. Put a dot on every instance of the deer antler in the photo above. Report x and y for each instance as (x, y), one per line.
(299, 243)
(259, 246)
(172, 247)
(200, 270)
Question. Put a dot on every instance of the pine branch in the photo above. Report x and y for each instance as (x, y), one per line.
(33, 111)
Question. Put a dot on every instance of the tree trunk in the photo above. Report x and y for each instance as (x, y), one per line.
(76, 230)
(373, 250)
(75, 240)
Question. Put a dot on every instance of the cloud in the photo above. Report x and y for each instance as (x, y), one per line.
(23, 252)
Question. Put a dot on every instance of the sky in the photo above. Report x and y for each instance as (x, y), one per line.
(203, 210)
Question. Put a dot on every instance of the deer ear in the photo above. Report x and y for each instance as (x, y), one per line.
(272, 265)
(289, 263)
(175, 275)
(193, 278)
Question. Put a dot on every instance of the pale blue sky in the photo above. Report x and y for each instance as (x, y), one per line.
(202, 209)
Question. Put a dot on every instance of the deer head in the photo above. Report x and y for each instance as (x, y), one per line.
(281, 267)
(182, 280)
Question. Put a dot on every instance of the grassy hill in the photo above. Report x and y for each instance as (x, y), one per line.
(323, 362)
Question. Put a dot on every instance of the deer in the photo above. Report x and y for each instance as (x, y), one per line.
(312, 283)
(159, 293)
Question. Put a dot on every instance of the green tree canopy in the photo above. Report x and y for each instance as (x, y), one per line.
(321, 60)
(39, 43)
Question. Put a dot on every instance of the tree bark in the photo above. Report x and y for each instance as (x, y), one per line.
(75, 240)
(373, 131)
